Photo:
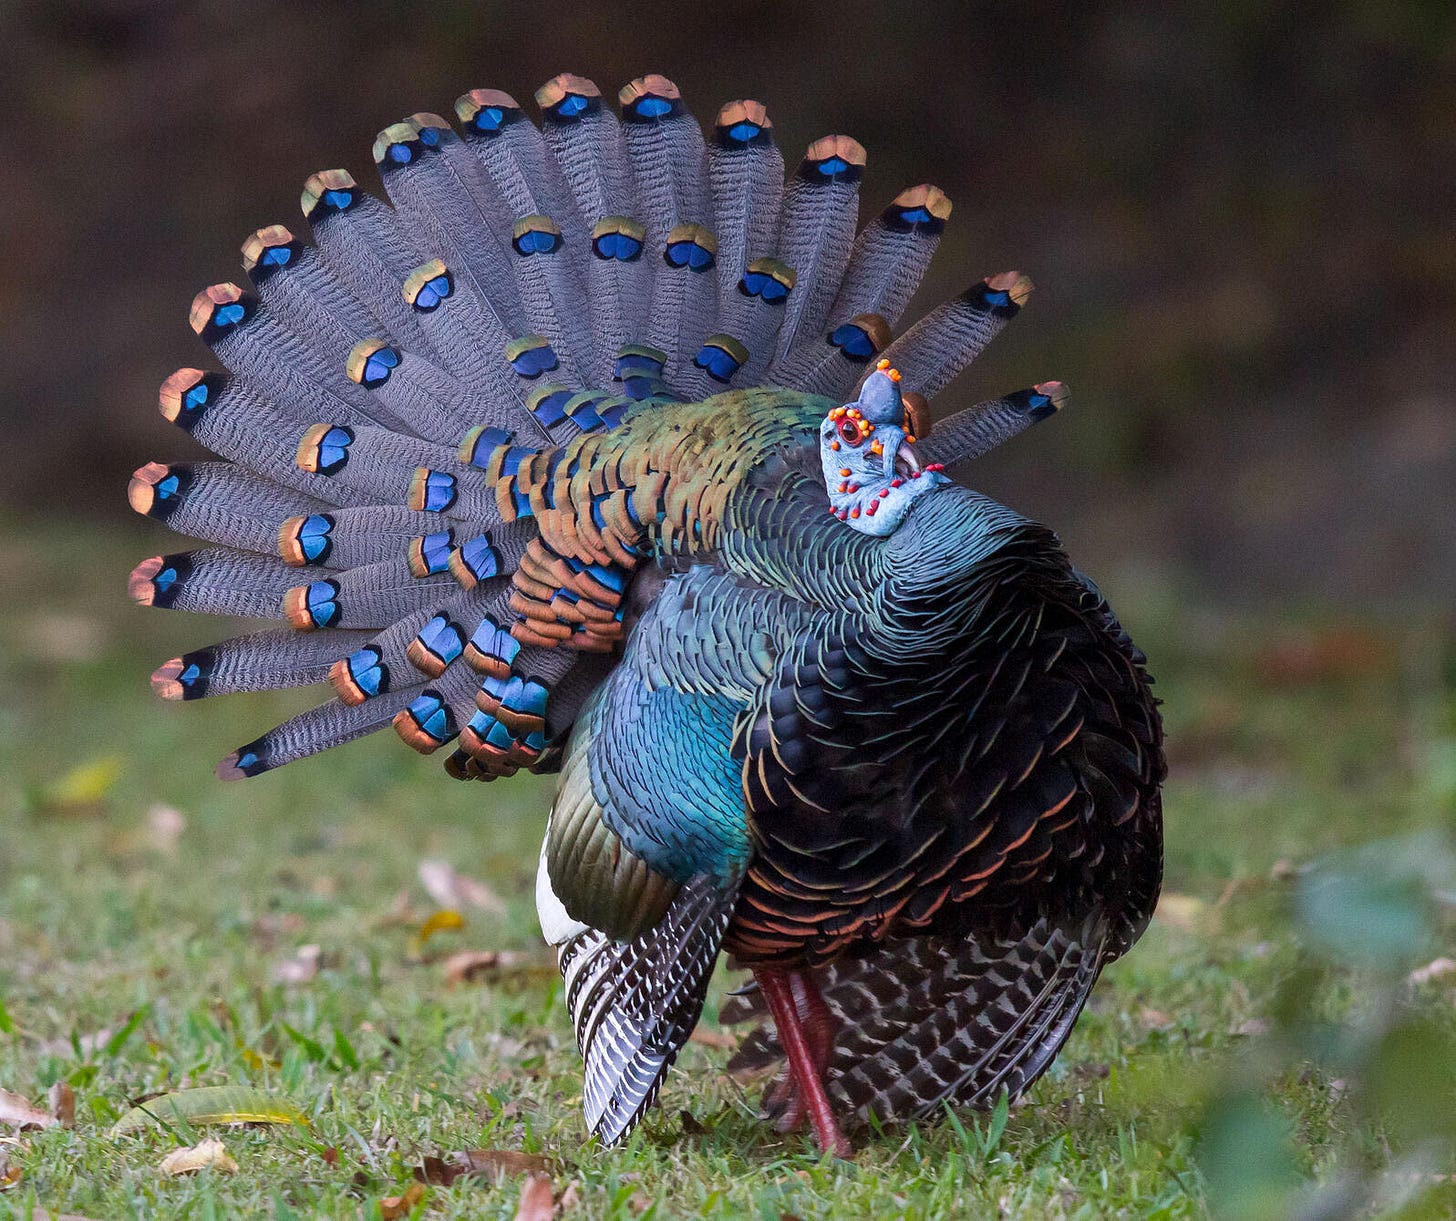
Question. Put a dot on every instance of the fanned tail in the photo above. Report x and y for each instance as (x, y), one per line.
(398, 390)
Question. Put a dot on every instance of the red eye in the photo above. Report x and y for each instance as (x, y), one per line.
(849, 431)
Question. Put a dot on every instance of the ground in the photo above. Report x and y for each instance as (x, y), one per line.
(1265, 1048)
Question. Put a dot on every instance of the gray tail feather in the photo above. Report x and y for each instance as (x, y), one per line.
(634, 1004)
(933, 1020)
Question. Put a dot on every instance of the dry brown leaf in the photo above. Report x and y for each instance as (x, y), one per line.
(1183, 912)
(494, 1164)
(1341, 651)
(401, 910)
(165, 825)
(209, 1154)
(1437, 968)
(720, 1039)
(270, 927)
(472, 966)
(16, 1112)
(301, 968)
(449, 888)
(62, 1099)
(9, 1175)
(90, 1044)
(538, 1200)
(394, 1207)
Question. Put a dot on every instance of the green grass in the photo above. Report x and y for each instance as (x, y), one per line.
(1200, 1078)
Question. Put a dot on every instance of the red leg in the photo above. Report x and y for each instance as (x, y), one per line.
(820, 1026)
(778, 991)
(819, 1029)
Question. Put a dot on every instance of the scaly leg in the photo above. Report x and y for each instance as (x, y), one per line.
(778, 992)
(819, 1025)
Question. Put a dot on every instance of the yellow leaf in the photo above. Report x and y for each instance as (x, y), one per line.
(210, 1104)
(445, 920)
(83, 787)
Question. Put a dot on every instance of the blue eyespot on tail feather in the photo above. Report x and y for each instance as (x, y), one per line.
(306, 539)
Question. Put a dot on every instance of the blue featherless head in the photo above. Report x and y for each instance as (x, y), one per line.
(870, 470)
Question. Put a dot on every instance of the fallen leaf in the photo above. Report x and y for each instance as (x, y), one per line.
(401, 910)
(255, 1060)
(16, 1112)
(494, 1164)
(443, 921)
(206, 1155)
(1346, 651)
(268, 928)
(538, 1200)
(80, 792)
(1183, 912)
(720, 1039)
(165, 825)
(1437, 968)
(228, 1104)
(299, 969)
(62, 1099)
(394, 1207)
(451, 889)
(472, 966)
(9, 1175)
(331, 1155)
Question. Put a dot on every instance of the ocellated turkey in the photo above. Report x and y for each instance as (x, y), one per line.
(595, 451)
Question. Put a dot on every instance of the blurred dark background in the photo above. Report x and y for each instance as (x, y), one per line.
(1239, 217)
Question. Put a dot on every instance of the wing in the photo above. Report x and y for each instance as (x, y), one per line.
(647, 842)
